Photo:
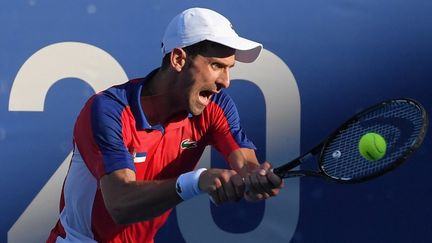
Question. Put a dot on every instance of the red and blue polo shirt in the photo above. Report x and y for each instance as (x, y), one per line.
(112, 133)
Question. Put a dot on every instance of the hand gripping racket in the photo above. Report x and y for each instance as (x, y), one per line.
(403, 124)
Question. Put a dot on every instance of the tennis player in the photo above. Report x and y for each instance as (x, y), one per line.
(136, 145)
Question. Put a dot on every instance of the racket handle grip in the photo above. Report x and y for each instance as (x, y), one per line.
(293, 173)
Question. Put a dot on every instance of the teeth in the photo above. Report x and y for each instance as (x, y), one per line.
(204, 99)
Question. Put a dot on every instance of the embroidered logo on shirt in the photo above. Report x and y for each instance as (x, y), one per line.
(139, 157)
(188, 144)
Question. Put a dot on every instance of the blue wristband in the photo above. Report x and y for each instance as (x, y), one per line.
(187, 184)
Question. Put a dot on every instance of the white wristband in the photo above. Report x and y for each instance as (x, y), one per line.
(187, 184)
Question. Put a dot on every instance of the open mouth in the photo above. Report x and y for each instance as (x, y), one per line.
(205, 96)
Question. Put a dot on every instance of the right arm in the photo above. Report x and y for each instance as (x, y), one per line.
(129, 201)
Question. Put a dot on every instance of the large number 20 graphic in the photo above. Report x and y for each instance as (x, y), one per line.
(91, 64)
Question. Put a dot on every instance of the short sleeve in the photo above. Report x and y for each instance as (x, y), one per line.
(98, 136)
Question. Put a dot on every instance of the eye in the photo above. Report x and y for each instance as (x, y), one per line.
(216, 65)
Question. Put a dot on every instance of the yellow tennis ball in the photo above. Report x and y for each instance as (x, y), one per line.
(372, 146)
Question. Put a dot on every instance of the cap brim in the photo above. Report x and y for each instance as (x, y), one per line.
(246, 50)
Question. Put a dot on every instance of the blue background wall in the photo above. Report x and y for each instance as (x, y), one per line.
(345, 55)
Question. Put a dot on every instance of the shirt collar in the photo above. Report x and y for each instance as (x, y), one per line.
(137, 111)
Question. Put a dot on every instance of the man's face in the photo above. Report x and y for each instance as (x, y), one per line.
(205, 75)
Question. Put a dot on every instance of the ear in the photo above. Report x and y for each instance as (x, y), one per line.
(178, 59)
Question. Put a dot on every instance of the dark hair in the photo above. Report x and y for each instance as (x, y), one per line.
(193, 50)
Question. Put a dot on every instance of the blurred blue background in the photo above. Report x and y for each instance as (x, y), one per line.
(344, 55)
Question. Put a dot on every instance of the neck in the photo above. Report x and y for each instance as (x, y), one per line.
(157, 99)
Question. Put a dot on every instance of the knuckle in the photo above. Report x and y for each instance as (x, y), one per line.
(225, 177)
(216, 183)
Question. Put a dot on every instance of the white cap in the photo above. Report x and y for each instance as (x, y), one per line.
(197, 24)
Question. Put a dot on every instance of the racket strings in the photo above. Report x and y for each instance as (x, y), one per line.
(400, 123)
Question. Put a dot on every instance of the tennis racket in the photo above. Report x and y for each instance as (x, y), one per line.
(403, 124)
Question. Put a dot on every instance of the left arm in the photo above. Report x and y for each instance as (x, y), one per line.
(253, 181)
(260, 182)
(244, 161)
